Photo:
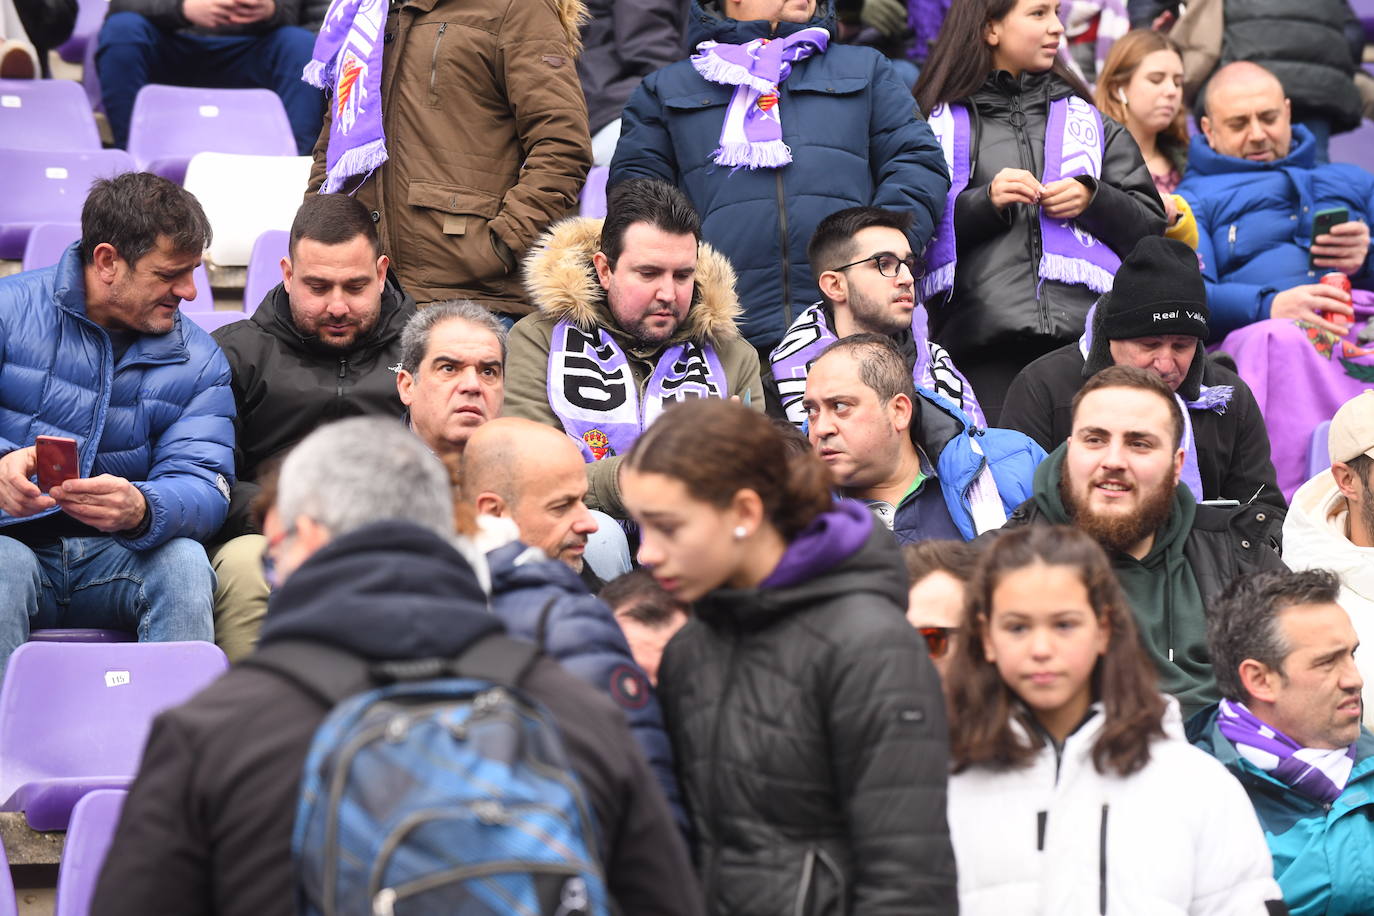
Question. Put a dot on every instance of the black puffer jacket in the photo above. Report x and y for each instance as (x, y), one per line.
(999, 304)
(286, 385)
(811, 743)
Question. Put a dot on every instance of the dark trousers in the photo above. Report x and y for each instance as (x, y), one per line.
(133, 53)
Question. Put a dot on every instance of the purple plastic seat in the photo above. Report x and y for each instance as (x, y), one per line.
(1318, 453)
(170, 124)
(1356, 147)
(46, 114)
(74, 717)
(592, 203)
(44, 186)
(89, 835)
(211, 321)
(46, 243)
(79, 635)
(264, 267)
(90, 16)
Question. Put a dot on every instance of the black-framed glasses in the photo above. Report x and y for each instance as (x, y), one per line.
(937, 639)
(889, 264)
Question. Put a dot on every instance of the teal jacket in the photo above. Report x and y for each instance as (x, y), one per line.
(1323, 855)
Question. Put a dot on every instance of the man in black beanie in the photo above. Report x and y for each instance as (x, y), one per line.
(1155, 318)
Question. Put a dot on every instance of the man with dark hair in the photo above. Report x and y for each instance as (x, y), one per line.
(94, 349)
(648, 616)
(1331, 524)
(867, 274)
(634, 313)
(1288, 727)
(919, 463)
(319, 348)
(1117, 477)
(1155, 318)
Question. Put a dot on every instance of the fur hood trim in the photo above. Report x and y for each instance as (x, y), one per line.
(561, 283)
(572, 15)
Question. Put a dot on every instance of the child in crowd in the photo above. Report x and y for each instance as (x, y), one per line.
(1046, 194)
(805, 716)
(939, 571)
(1073, 789)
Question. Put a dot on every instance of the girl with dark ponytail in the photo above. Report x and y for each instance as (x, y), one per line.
(805, 714)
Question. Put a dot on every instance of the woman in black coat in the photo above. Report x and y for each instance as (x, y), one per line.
(997, 61)
(806, 718)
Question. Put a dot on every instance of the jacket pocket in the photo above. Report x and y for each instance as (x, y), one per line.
(453, 245)
(820, 887)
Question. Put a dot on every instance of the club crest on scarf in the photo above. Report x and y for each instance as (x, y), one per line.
(347, 60)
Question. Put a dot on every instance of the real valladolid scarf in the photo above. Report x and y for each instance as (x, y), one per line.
(1073, 146)
(1318, 773)
(348, 61)
(752, 134)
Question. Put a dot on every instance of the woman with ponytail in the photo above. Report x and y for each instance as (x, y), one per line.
(805, 715)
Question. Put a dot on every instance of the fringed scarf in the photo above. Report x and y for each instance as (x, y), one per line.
(348, 62)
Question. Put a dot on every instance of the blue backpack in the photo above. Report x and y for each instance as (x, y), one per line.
(438, 789)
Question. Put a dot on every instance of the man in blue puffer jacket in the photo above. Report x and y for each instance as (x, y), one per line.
(94, 349)
(839, 129)
(1254, 186)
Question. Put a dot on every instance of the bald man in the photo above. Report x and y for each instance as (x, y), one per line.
(1256, 187)
(533, 475)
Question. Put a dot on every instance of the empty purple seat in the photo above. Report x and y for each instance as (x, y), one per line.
(46, 243)
(46, 114)
(264, 267)
(43, 186)
(74, 717)
(170, 124)
(8, 905)
(89, 834)
(1356, 147)
(90, 16)
(1318, 451)
(593, 201)
(80, 635)
(211, 321)
(205, 296)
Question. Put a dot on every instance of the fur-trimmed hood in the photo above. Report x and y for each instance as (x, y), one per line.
(561, 283)
(572, 15)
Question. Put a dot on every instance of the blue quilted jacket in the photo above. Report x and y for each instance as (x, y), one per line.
(544, 601)
(855, 136)
(1254, 223)
(162, 418)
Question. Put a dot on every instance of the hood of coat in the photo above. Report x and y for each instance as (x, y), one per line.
(708, 22)
(1100, 355)
(1203, 160)
(1313, 538)
(274, 317)
(562, 284)
(389, 590)
(572, 15)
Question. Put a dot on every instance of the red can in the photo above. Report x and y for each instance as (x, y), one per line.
(1341, 282)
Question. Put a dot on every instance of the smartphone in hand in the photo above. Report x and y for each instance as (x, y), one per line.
(57, 461)
(1322, 221)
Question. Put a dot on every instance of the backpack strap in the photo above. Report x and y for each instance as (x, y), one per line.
(327, 674)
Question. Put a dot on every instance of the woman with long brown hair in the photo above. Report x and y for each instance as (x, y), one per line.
(806, 718)
(1073, 788)
(1046, 195)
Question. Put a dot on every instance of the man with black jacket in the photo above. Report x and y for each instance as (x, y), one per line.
(1118, 478)
(319, 348)
(362, 542)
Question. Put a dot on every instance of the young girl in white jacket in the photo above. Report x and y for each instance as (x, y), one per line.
(1068, 796)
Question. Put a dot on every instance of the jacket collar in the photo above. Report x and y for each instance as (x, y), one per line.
(707, 23)
(1203, 160)
(274, 317)
(69, 293)
(562, 284)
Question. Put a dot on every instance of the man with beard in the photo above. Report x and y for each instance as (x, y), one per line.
(867, 274)
(317, 349)
(1331, 523)
(1117, 478)
(634, 313)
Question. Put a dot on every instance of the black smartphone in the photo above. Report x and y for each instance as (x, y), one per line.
(1323, 220)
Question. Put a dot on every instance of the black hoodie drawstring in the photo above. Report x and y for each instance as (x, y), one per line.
(1102, 865)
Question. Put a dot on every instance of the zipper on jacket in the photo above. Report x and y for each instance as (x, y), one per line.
(713, 867)
(1033, 240)
(343, 374)
(1102, 865)
(1231, 240)
(434, 62)
(786, 253)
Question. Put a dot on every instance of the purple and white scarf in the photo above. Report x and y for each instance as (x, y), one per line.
(1215, 398)
(347, 61)
(1318, 773)
(1073, 146)
(1112, 23)
(810, 334)
(592, 389)
(752, 133)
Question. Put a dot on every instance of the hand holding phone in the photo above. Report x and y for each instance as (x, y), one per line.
(19, 497)
(1322, 223)
(57, 461)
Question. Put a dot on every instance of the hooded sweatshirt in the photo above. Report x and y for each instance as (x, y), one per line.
(1161, 589)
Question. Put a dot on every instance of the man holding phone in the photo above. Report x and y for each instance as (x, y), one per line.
(124, 415)
(1271, 220)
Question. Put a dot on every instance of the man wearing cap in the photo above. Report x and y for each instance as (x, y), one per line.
(1331, 524)
(1156, 318)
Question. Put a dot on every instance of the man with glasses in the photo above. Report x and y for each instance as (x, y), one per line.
(863, 263)
(919, 464)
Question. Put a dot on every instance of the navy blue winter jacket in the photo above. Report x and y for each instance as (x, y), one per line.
(544, 601)
(856, 139)
(162, 418)
(1254, 222)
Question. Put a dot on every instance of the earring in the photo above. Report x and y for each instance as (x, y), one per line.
(739, 532)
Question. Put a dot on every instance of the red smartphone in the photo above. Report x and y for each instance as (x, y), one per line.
(57, 461)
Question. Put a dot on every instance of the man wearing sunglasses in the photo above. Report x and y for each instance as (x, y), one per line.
(868, 277)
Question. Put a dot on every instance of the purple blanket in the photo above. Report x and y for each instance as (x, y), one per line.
(1300, 376)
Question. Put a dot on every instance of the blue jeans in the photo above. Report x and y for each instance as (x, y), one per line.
(163, 594)
(133, 53)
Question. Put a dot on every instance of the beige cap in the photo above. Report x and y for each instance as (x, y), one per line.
(1352, 428)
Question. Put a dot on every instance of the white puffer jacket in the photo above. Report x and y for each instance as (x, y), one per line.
(1058, 838)
(1312, 539)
